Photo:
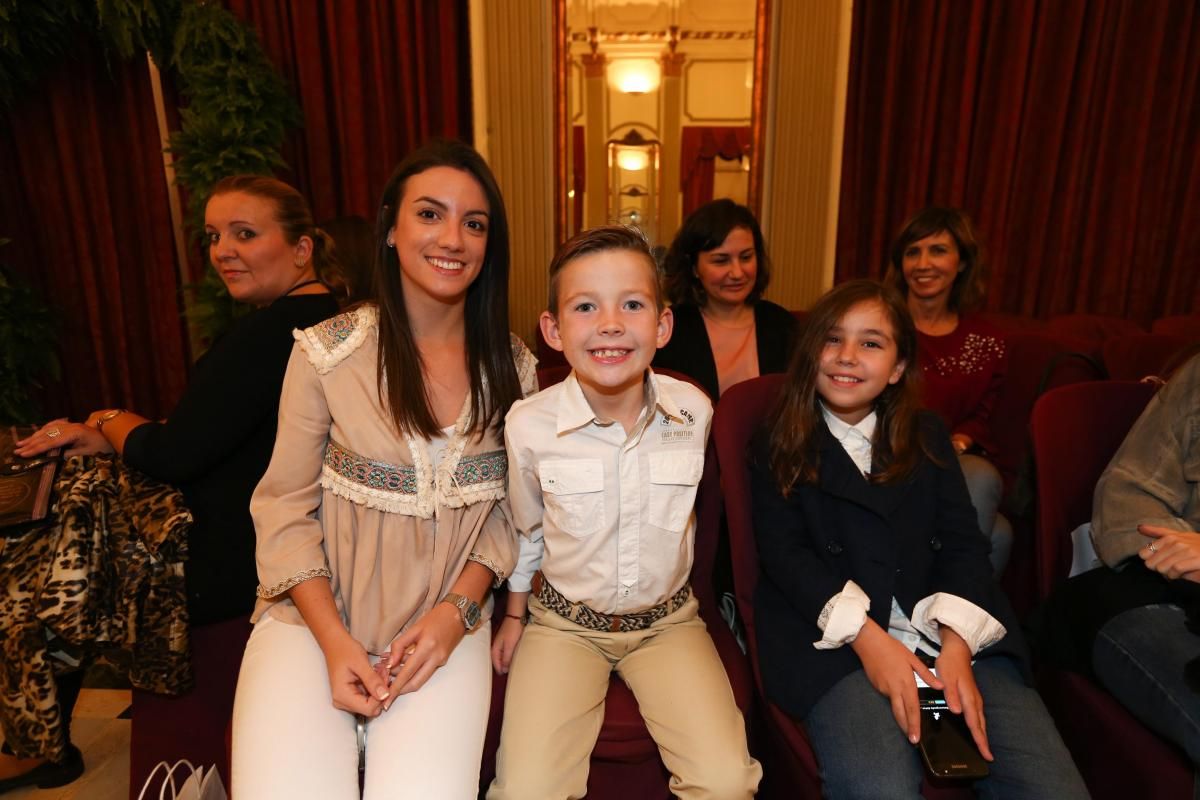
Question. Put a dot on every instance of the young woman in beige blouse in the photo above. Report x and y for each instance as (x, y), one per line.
(382, 520)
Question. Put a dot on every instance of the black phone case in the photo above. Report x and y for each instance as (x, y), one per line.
(946, 745)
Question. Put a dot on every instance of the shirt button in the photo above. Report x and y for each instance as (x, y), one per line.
(834, 549)
(626, 593)
(935, 544)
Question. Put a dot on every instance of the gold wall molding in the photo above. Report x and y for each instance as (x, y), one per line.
(513, 73)
(809, 65)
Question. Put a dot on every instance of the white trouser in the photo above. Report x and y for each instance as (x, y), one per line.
(289, 742)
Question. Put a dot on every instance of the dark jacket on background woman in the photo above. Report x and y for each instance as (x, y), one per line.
(689, 352)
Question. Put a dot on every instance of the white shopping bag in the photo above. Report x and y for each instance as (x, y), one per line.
(200, 784)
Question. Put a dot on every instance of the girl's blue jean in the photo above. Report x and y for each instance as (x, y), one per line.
(862, 753)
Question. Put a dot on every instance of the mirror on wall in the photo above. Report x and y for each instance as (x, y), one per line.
(660, 109)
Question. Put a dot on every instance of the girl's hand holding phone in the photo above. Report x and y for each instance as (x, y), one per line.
(962, 695)
(890, 666)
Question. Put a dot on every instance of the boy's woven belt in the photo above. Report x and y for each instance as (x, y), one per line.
(587, 617)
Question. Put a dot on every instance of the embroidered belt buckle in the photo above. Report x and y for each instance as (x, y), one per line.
(587, 617)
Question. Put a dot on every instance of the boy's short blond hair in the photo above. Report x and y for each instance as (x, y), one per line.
(600, 240)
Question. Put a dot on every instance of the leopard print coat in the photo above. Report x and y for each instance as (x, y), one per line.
(105, 574)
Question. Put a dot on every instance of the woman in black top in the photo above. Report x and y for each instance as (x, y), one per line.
(716, 273)
(216, 443)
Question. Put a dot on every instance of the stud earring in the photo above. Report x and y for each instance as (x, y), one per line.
(391, 242)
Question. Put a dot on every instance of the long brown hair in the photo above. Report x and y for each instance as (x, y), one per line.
(295, 218)
(494, 382)
(970, 285)
(897, 445)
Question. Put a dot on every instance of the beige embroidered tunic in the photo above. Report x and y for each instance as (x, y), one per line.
(347, 498)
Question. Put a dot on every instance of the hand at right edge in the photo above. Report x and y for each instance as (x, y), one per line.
(889, 666)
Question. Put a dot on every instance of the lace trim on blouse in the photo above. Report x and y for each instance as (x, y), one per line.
(404, 489)
(330, 342)
(417, 490)
(526, 364)
(267, 592)
(480, 558)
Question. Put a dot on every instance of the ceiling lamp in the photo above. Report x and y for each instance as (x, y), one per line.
(632, 160)
(634, 75)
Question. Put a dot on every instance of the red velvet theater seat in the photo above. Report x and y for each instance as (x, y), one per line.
(1095, 328)
(1131, 358)
(1185, 325)
(196, 725)
(1076, 429)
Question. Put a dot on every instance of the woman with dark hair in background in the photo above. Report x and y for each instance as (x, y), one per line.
(716, 273)
(383, 518)
(213, 447)
(936, 264)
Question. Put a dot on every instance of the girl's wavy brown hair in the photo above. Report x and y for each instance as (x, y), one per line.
(898, 446)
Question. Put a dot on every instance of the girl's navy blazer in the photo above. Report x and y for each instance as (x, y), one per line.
(907, 540)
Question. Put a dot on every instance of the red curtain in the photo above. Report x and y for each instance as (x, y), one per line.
(373, 81)
(699, 149)
(84, 199)
(1070, 131)
(578, 175)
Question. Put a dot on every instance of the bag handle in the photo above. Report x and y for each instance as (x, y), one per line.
(167, 780)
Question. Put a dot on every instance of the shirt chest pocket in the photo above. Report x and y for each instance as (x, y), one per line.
(673, 481)
(573, 493)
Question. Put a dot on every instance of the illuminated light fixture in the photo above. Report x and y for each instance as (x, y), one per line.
(634, 75)
(632, 160)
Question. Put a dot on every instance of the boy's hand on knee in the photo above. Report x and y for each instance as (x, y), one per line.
(962, 695)
(889, 666)
(505, 644)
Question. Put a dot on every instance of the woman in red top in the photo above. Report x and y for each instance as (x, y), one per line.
(936, 264)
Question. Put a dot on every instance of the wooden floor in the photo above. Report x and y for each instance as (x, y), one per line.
(104, 740)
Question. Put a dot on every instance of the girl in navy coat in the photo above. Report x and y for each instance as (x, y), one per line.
(871, 555)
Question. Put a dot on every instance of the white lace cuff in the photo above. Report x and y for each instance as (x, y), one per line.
(977, 627)
(843, 617)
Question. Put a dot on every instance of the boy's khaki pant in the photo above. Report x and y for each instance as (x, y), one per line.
(554, 707)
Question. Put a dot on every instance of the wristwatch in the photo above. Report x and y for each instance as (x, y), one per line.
(108, 416)
(468, 609)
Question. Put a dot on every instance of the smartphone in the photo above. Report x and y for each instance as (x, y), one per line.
(946, 745)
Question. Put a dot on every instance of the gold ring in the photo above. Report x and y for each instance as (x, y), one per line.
(53, 433)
